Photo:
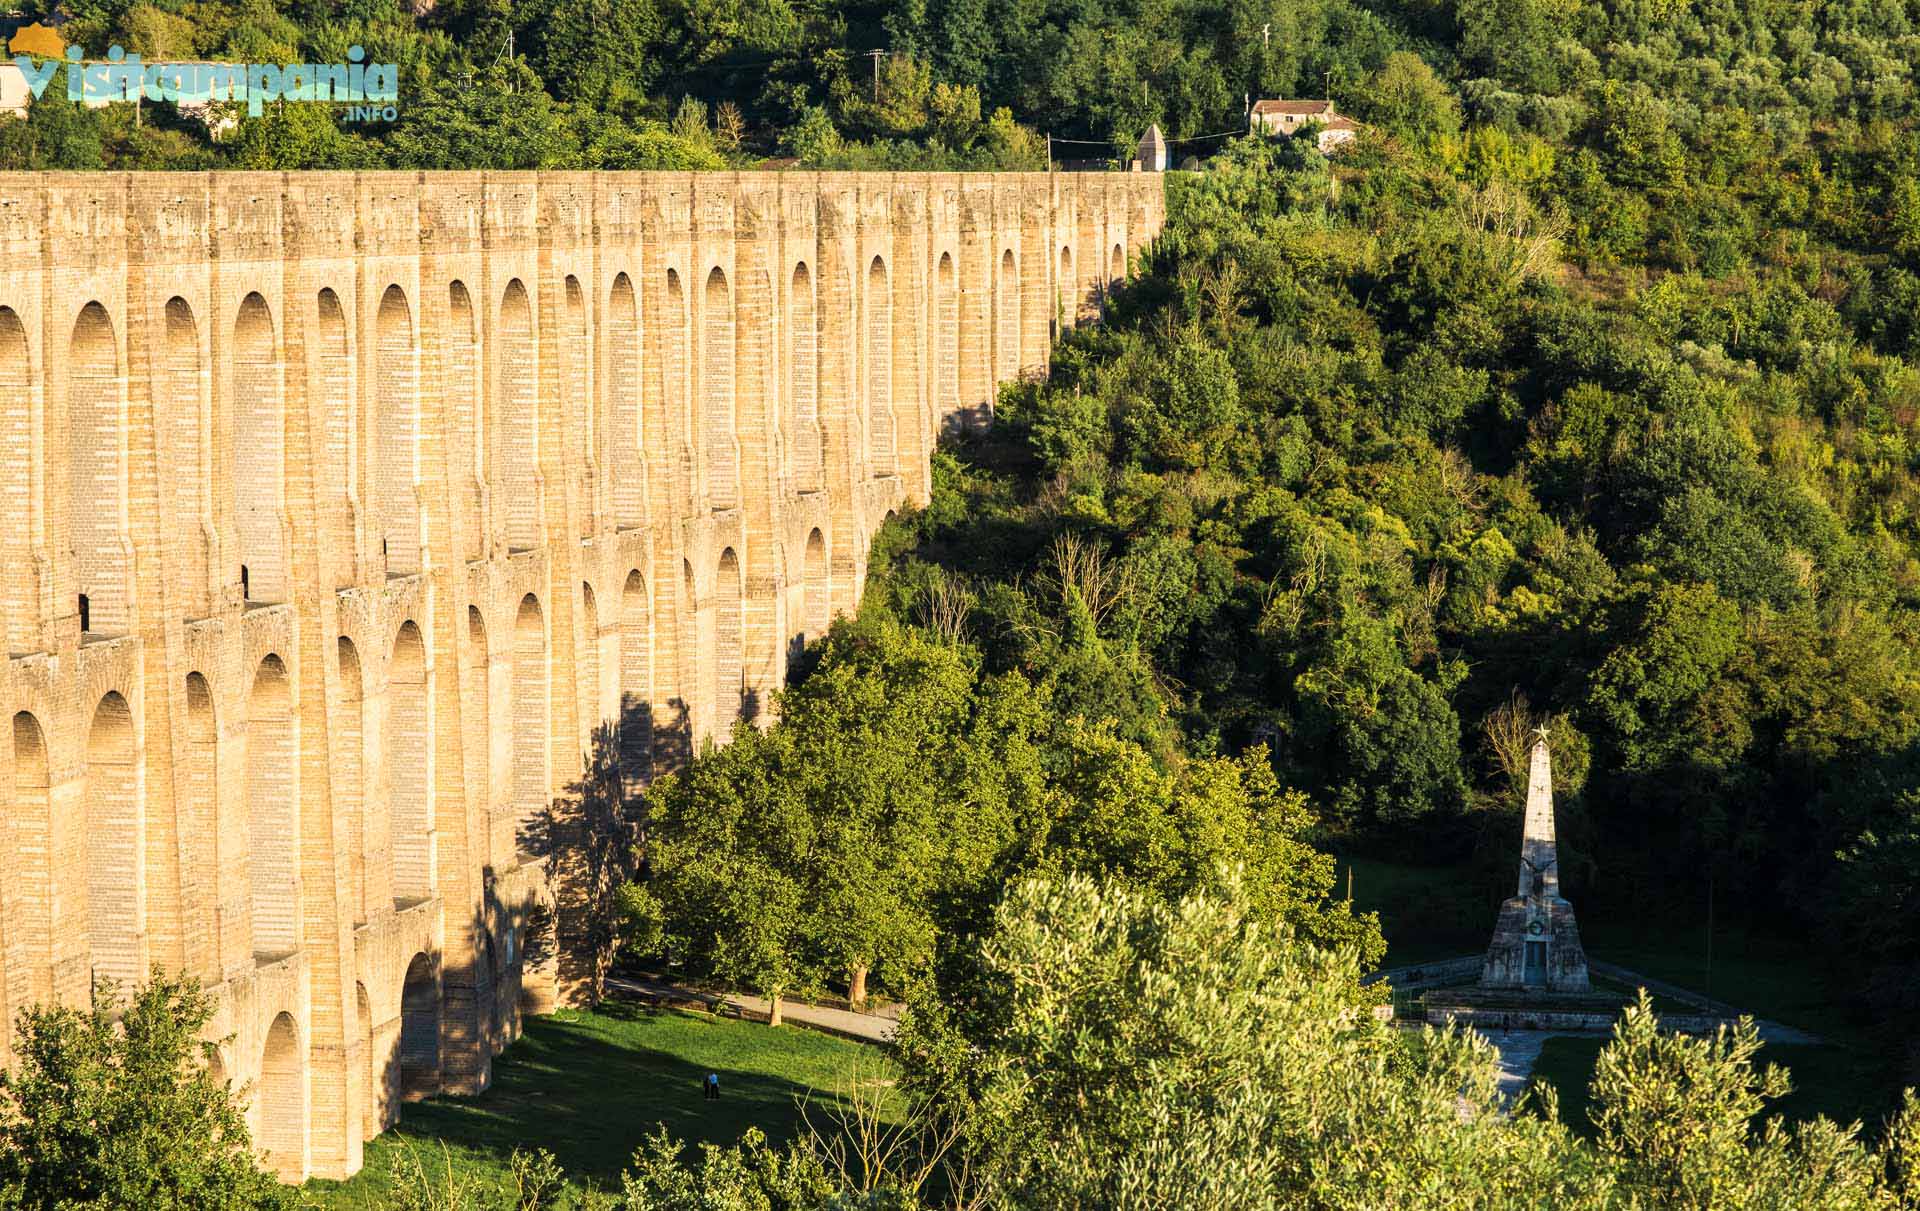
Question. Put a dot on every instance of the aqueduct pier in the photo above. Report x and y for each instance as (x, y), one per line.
(367, 540)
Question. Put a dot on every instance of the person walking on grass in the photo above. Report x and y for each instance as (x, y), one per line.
(712, 1086)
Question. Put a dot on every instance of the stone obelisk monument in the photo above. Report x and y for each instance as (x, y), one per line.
(1536, 943)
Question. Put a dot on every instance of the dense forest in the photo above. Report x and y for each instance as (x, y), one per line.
(1581, 392)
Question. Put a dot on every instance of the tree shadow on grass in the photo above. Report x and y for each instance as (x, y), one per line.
(568, 1087)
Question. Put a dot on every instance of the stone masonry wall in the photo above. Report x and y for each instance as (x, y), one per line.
(371, 539)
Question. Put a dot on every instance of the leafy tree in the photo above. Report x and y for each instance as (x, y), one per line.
(116, 1107)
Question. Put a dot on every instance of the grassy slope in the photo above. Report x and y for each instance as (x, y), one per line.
(589, 1086)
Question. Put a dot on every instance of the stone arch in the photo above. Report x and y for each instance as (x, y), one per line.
(678, 402)
(946, 355)
(589, 687)
(20, 470)
(1117, 265)
(273, 819)
(530, 724)
(818, 598)
(1066, 298)
(335, 479)
(408, 752)
(729, 665)
(113, 839)
(396, 467)
(466, 420)
(259, 451)
(350, 759)
(625, 455)
(1006, 319)
(687, 670)
(519, 443)
(636, 688)
(280, 1104)
(97, 474)
(197, 799)
(487, 989)
(879, 315)
(182, 388)
(477, 694)
(803, 362)
(719, 449)
(372, 1096)
(420, 1029)
(576, 352)
(28, 893)
(756, 422)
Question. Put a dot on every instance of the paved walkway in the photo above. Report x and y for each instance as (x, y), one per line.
(1519, 1052)
(862, 1027)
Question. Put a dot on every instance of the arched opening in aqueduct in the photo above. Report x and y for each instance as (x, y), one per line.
(408, 754)
(420, 1030)
(197, 782)
(636, 689)
(729, 663)
(879, 312)
(1006, 319)
(259, 451)
(20, 469)
(279, 1112)
(273, 843)
(97, 475)
(111, 795)
(182, 401)
(623, 391)
(804, 386)
(465, 419)
(718, 444)
(30, 828)
(519, 426)
(813, 576)
(334, 477)
(350, 789)
(396, 469)
(527, 819)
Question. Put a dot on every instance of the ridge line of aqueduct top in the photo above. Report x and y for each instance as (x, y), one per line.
(371, 539)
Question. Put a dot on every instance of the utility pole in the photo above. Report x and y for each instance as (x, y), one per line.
(1049, 151)
(875, 56)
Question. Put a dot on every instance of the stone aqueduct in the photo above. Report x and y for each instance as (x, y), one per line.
(363, 535)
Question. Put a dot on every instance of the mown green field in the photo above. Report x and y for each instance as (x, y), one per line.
(587, 1086)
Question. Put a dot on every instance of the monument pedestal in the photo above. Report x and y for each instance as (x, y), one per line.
(1536, 947)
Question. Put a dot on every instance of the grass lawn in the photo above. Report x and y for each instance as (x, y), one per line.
(1839, 1082)
(1766, 977)
(587, 1086)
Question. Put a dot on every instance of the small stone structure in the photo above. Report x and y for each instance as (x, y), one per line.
(1153, 155)
(1536, 943)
